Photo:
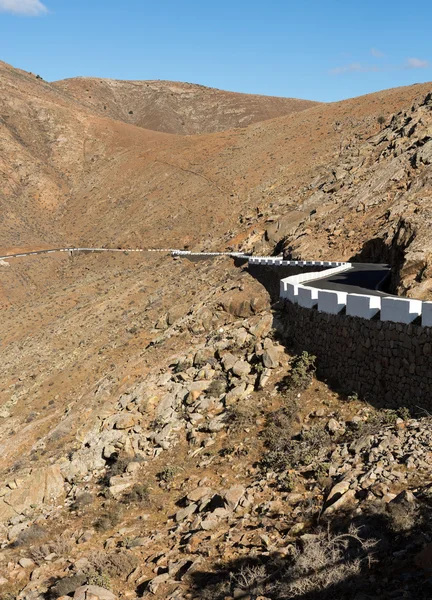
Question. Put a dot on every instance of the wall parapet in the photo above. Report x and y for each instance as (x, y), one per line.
(366, 306)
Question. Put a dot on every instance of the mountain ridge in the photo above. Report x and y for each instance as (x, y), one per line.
(177, 107)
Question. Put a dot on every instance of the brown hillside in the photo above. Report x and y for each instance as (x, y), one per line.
(175, 107)
(48, 143)
(102, 390)
(73, 176)
(203, 190)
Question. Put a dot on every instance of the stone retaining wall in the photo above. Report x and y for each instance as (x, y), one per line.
(271, 276)
(388, 363)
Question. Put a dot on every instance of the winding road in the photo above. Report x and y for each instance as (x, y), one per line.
(354, 289)
(362, 278)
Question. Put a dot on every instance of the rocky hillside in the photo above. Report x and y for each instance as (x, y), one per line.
(175, 107)
(157, 435)
(224, 471)
(374, 203)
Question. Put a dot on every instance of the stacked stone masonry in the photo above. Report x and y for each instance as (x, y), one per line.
(389, 363)
(380, 359)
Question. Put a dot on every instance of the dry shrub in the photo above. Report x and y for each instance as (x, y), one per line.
(82, 501)
(240, 416)
(251, 579)
(316, 566)
(402, 517)
(10, 591)
(61, 546)
(286, 451)
(138, 494)
(215, 591)
(377, 421)
(117, 465)
(108, 519)
(67, 586)
(324, 561)
(31, 535)
(114, 564)
(217, 387)
(280, 425)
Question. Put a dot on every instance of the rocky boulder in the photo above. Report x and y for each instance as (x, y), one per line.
(41, 487)
(93, 592)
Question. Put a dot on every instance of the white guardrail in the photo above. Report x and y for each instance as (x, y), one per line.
(77, 249)
(385, 308)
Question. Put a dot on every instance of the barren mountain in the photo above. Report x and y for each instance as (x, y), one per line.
(373, 202)
(175, 107)
(146, 414)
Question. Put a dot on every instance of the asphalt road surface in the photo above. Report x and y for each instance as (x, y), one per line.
(362, 278)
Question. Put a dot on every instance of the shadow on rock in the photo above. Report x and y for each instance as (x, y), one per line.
(383, 553)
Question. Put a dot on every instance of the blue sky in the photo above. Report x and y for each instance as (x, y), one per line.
(315, 49)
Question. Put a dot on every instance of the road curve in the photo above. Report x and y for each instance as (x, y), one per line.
(362, 278)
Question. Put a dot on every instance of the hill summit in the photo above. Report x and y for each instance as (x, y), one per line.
(175, 107)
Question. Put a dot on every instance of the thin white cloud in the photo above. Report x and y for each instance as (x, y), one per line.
(410, 63)
(355, 68)
(377, 53)
(416, 63)
(30, 8)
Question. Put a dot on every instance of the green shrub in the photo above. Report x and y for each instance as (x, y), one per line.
(404, 413)
(302, 369)
(167, 474)
(227, 451)
(322, 470)
(100, 579)
(287, 482)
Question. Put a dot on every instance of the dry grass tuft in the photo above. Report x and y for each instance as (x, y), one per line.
(326, 560)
